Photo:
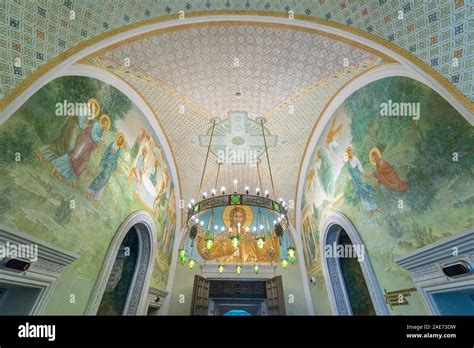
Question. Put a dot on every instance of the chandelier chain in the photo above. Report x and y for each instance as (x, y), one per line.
(207, 156)
(259, 176)
(268, 158)
(217, 176)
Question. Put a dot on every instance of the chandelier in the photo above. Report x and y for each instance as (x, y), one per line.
(270, 216)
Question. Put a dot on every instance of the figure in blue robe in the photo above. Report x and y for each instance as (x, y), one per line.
(108, 165)
(363, 189)
(153, 174)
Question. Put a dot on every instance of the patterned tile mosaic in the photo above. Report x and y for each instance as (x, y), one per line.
(439, 32)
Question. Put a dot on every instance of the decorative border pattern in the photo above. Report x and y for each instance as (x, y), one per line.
(10, 96)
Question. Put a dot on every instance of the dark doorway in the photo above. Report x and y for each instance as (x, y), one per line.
(120, 279)
(235, 297)
(357, 291)
(238, 297)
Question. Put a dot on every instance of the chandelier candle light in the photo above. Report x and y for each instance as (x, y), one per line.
(266, 206)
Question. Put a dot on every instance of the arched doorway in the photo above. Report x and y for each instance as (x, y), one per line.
(356, 287)
(120, 278)
(350, 279)
(123, 283)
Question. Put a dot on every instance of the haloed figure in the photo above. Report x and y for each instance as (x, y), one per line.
(363, 189)
(138, 169)
(153, 173)
(71, 165)
(390, 183)
(70, 132)
(108, 165)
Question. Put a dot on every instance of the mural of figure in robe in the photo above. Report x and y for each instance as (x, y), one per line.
(153, 173)
(324, 172)
(69, 134)
(138, 169)
(108, 165)
(71, 165)
(391, 185)
(169, 222)
(363, 189)
(311, 180)
(333, 134)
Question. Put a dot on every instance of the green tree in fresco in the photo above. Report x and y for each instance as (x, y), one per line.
(434, 140)
(16, 145)
(75, 90)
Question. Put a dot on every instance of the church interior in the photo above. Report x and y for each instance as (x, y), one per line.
(236, 158)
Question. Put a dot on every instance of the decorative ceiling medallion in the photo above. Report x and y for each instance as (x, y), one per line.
(238, 139)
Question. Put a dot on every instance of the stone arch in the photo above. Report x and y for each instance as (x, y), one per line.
(137, 299)
(333, 278)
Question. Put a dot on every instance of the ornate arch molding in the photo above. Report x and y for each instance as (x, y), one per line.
(333, 278)
(137, 298)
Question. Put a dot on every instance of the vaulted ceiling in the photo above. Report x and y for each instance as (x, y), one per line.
(209, 65)
(190, 75)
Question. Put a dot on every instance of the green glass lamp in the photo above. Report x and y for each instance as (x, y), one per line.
(191, 263)
(291, 254)
(182, 256)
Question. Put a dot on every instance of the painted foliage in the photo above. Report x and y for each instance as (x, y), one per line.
(402, 173)
(70, 174)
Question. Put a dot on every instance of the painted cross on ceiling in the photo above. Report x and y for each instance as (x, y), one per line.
(238, 139)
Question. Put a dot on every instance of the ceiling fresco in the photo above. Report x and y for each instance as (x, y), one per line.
(36, 35)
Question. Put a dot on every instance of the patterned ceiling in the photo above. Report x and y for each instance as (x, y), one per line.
(209, 65)
(188, 77)
(34, 34)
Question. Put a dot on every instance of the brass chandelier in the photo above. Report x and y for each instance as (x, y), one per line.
(271, 214)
